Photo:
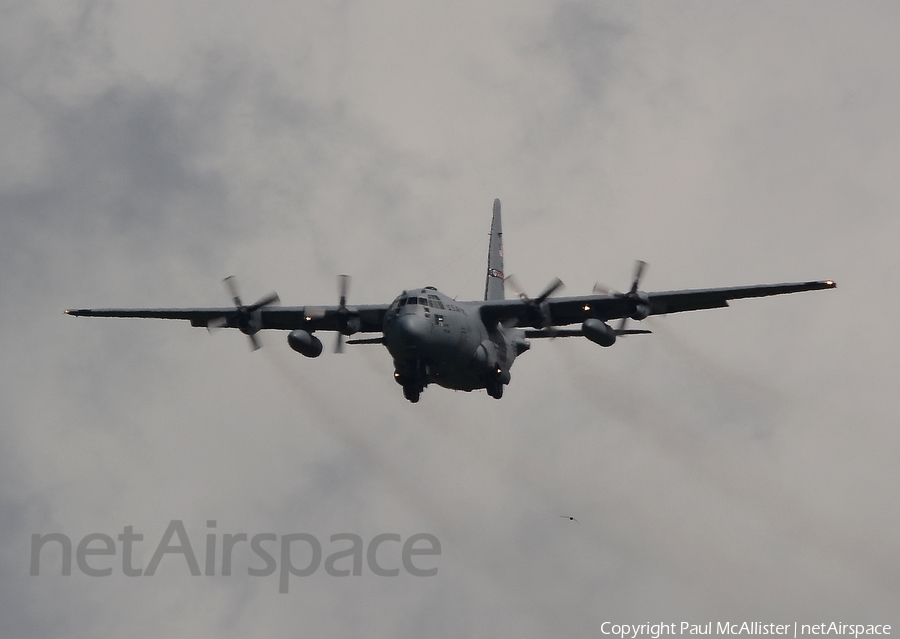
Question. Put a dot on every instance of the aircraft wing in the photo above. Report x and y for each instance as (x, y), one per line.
(311, 318)
(561, 311)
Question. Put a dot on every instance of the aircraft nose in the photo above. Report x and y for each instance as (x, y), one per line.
(412, 330)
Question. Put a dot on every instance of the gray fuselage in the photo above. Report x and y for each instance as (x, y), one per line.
(434, 339)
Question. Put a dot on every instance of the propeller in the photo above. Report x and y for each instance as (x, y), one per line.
(641, 303)
(538, 312)
(246, 317)
(638, 299)
(347, 320)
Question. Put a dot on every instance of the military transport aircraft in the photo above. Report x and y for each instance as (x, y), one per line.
(460, 345)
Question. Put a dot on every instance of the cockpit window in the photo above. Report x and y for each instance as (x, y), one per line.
(402, 301)
(423, 301)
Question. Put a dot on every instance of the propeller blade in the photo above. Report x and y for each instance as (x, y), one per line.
(271, 298)
(254, 342)
(638, 272)
(343, 287)
(603, 289)
(216, 323)
(514, 285)
(339, 344)
(232, 289)
(554, 286)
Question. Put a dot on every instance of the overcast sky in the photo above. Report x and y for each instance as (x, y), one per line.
(738, 465)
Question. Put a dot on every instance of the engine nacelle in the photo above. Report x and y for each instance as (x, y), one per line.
(486, 358)
(485, 355)
(642, 308)
(641, 311)
(354, 323)
(305, 343)
(598, 332)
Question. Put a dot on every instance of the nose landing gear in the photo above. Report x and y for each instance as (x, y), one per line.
(413, 381)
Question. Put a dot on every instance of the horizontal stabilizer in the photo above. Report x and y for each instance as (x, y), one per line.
(576, 332)
(367, 340)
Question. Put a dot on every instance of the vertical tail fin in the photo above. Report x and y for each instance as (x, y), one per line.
(493, 285)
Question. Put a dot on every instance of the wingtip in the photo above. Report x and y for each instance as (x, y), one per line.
(830, 283)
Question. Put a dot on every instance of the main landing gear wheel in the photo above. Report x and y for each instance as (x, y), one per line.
(495, 390)
(411, 393)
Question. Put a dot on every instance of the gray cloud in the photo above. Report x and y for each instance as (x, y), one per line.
(737, 463)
